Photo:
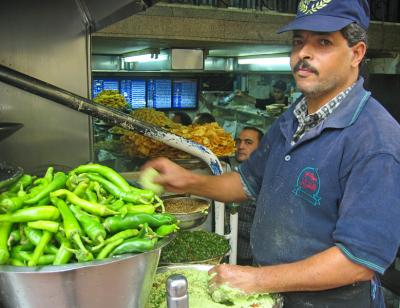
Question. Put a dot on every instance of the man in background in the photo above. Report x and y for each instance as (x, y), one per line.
(182, 118)
(277, 96)
(246, 142)
(203, 118)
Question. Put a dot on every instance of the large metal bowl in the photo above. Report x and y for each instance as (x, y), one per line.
(119, 282)
(205, 267)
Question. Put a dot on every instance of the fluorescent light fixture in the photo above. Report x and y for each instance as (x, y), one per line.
(270, 63)
(146, 58)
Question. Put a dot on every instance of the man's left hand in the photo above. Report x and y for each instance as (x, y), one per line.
(235, 276)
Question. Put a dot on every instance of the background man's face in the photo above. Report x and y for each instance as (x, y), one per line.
(246, 143)
(278, 94)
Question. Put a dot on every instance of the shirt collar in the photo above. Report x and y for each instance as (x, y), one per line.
(345, 114)
(349, 110)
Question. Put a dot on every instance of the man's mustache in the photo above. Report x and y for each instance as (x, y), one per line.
(303, 64)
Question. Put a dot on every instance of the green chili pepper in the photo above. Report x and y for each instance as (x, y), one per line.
(80, 189)
(5, 230)
(108, 248)
(24, 247)
(58, 182)
(6, 195)
(48, 225)
(43, 212)
(140, 196)
(44, 201)
(93, 208)
(72, 230)
(134, 245)
(39, 249)
(25, 180)
(15, 237)
(40, 182)
(34, 236)
(16, 262)
(92, 227)
(106, 172)
(140, 208)
(49, 174)
(24, 256)
(165, 230)
(132, 221)
(91, 196)
(108, 200)
(120, 235)
(69, 184)
(63, 254)
(12, 204)
(117, 205)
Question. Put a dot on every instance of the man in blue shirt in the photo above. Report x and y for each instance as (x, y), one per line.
(325, 177)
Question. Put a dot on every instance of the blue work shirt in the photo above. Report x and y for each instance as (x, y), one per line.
(337, 186)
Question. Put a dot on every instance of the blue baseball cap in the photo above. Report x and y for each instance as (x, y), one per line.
(329, 15)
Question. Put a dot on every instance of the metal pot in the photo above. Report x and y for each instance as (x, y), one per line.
(119, 282)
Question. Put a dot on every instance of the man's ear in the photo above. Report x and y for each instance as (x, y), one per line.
(359, 51)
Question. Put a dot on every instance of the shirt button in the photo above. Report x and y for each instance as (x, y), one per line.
(287, 157)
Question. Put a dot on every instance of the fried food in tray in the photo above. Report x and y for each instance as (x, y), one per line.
(210, 135)
(111, 98)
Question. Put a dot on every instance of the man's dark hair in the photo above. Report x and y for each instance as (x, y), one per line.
(280, 84)
(203, 118)
(185, 118)
(354, 33)
(260, 134)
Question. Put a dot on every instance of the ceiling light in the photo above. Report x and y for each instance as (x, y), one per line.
(270, 63)
(146, 58)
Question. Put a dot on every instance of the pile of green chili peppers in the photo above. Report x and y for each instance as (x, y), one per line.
(90, 213)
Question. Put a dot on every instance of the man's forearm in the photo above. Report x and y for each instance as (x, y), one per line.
(326, 270)
(226, 187)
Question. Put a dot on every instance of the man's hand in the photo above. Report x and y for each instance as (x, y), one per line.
(225, 188)
(172, 177)
(235, 276)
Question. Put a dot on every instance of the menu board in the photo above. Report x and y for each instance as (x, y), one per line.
(104, 84)
(184, 94)
(134, 91)
(159, 93)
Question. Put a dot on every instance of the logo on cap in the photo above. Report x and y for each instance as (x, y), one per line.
(309, 7)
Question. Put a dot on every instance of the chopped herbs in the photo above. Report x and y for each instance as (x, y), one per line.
(191, 246)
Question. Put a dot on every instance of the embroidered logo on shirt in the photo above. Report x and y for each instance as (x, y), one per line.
(308, 185)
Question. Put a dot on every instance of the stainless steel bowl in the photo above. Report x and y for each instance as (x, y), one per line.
(205, 267)
(118, 282)
(193, 219)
